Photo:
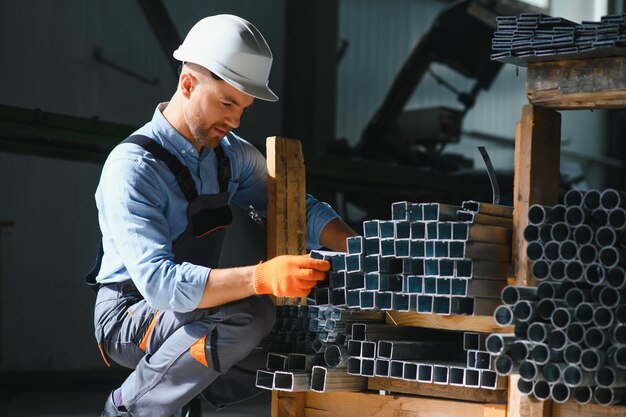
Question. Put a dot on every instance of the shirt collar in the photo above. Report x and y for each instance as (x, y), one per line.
(164, 130)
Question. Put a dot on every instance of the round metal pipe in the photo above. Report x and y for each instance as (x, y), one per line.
(525, 387)
(610, 257)
(546, 307)
(573, 376)
(617, 218)
(539, 332)
(574, 271)
(610, 377)
(562, 317)
(583, 395)
(583, 234)
(594, 272)
(505, 365)
(541, 390)
(336, 356)
(616, 356)
(557, 270)
(560, 393)
(573, 198)
(575, 296)
(546, 290)
(609, 396)
(603, 317)
(606, 236)
(575, 216)
(572, 354)
(619, 334)
(552, 372)
(592, 359)
(497, 343)
(599, 217)
(560, 232)
(524, 310)
(537, 214)
(610, 199)
(620, 314)
(610, 297)
(584, 313)
(587, 253)
(540, 354)
(558, 339)
(545, 233)
(531, 233)
(534, 251)
(511, 294)
(591, 199)
(529, 370)
(521, 330)
(576, 332)
(616, 278)
(520, 350)
(540, 270)
(568, 250)
(503, 315)
(596, 338)
(551, 251)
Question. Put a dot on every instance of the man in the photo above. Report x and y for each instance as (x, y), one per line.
(164, 308)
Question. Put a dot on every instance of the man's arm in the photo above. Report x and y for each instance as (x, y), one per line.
(334, 235)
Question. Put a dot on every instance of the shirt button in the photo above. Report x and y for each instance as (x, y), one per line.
(184, 151)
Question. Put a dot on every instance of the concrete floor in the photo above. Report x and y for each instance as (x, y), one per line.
(74, 395)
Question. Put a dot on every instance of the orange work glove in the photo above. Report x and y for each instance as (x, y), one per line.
(289, 275)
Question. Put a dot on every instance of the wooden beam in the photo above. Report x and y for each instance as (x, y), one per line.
(286, 231)
(480, 395)
(537, 159)
(592, 83)
(570, 408)
(484, 324)
(355, 404)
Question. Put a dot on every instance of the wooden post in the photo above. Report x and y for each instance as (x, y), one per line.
(537, 159)
(286, 230)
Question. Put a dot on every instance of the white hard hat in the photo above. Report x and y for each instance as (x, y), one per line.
(233, 49)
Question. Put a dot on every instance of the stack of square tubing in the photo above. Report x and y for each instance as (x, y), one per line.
(429, 258)
(570, 330)
(535, 37)
(423, 355)
(308, 349)
(369, 349)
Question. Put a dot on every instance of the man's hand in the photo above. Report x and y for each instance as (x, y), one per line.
(289, 275)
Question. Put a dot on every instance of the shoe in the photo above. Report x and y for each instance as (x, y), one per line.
(110, 410)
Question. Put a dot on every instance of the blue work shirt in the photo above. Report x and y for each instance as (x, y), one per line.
(142, 211)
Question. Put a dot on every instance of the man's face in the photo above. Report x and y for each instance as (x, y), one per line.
(214, 108)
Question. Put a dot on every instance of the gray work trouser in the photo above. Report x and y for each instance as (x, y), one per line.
(176, 356)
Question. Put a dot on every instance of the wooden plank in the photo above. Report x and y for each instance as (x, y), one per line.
(286, 231)
(570, 409)
(520, 405)
(480, 395)
(356, 404)
(484, 324)
(537, 158)
(595, 83)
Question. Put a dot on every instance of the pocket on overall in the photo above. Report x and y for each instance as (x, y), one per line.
(210, 219)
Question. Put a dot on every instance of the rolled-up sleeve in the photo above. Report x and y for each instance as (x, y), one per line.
(137, 233)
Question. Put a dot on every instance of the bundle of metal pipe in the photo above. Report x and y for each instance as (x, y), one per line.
(429, 258)
(570, 330)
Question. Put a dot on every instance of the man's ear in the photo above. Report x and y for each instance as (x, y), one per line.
(186, 83)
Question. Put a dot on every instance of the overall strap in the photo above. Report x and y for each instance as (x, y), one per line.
(181, 172)
(223, 168)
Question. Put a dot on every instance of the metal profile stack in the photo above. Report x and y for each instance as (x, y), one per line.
(422, 355)
(308, 349)
(429, 258)
(536, 37)
(570, 330)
